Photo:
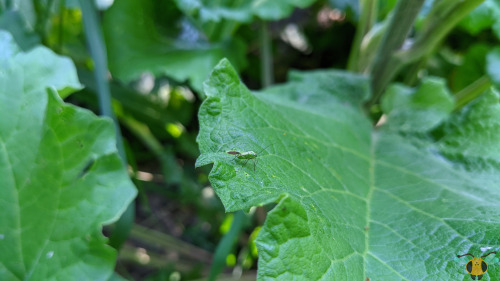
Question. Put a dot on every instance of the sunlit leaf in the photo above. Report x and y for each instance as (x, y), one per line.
(353, 202)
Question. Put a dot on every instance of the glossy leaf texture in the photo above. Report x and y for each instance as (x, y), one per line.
(353, 202)
(146, 36)
(60, 176)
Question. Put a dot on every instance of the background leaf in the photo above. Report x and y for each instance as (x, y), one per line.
(417, 110)
(353, 203)
(60, 175)
(241, 11)
(138, 41)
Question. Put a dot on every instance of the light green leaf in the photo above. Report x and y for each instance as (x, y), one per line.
(241, 11)
(353, 202)
(60, 177)
(44, 68)
(484, 16)
(493, 66)
(417, 110)
(8, 48)
(146, 36)
(475, 132)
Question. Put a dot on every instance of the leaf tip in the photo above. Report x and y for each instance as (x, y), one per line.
(223, 76)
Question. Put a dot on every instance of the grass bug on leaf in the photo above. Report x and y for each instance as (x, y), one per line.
(248, 155)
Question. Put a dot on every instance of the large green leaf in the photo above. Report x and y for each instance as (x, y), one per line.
(60, 177)
(353, 202)
(149, 36)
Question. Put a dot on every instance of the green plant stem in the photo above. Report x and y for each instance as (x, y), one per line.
(469, 93)
(97, 50)
(443, 16)
(411, 75)
(266, 57)
(169, 243)
(226, 244)
(384, 66)
(436, 26)
(365, 23)
(153, 260)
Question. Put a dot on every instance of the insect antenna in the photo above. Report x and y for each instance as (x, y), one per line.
(494, 252)
(264, 148)
(459, 256)
(257, 159)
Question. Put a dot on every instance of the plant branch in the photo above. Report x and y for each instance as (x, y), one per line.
(385, 64)
(366, 21)
(169, 243)
(438, 23)
(443, 16)
(471, 92)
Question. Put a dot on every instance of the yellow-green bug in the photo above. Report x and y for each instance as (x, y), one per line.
(246, 156)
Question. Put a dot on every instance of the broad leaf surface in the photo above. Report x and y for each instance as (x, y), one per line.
(60, 177)
(353, 202)
(149, 36)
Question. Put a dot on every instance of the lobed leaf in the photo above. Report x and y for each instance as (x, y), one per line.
(353, 202)
(60, 177)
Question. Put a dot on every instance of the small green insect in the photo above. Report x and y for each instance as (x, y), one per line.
(246, 156)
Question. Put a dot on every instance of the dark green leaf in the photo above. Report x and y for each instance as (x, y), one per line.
(13, 22)
(472, 67)
(143, 36)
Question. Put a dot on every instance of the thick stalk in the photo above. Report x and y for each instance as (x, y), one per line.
(366, 21)
(384, 66)
(441, 19)
(436, 27)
